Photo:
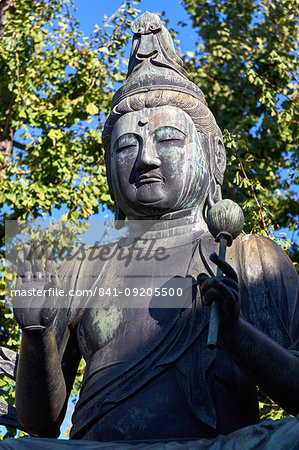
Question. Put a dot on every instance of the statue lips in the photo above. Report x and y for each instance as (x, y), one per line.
(150, 177)
(149, 189)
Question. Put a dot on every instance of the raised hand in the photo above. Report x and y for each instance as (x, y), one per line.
(34, 304)
(225, 291)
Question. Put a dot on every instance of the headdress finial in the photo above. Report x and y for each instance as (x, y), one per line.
(154, 64)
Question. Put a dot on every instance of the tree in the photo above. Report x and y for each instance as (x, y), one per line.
(245, 63)
(56, 87)
(54, 81)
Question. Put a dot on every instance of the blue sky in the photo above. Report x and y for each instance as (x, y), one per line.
(91, 12)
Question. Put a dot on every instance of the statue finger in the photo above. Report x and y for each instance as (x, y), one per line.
(230, 283)
(38, 267)
(224, 266)
(28, 276)
(210, 283)
(201, 278)
(27, 263)
(213, 289)
(49, 266)
(27, 251)
(20, 267)
(210, 296)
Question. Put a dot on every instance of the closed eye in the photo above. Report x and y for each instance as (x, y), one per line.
(126, 141)
(124, 147)
(169, 139)
(165, 134)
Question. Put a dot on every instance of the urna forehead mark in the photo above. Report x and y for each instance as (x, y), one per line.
(145, 122)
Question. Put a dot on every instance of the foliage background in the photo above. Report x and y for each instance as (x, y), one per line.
(56, 86)
(245, 60)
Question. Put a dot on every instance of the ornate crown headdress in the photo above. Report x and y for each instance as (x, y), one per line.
(154, 64)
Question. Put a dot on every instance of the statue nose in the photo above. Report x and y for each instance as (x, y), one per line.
(147, 158)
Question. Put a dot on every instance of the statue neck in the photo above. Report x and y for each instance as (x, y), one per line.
(168, 225)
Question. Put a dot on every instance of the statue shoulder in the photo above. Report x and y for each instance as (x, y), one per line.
(269, 288)
(251, 256)
(259, 250)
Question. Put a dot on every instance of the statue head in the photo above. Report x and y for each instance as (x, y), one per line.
(163, 148)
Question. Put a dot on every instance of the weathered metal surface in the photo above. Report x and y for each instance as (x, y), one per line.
(8, 362)
(149, 375)
(8, 416)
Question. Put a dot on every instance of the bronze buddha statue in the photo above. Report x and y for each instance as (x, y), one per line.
(149, 376)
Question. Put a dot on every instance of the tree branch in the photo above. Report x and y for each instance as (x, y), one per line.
(19, 145)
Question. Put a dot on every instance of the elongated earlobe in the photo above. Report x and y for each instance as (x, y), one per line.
(214, 196)
(220, 161)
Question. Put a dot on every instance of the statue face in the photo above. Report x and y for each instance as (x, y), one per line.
(158, 164)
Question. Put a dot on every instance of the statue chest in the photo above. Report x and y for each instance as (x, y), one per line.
(131, 303)
(131, 317)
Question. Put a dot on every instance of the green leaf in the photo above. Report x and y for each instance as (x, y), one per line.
(92, 109)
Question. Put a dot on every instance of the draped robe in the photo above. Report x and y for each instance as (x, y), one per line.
(219, 398)
(129, 377)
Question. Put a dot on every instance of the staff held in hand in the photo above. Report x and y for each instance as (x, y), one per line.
(225, 222)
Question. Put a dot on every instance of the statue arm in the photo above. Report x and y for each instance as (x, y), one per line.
(48, 361)
(44, 380)
(262, 344)
(40, 385)
(263, 339)
(273, 368)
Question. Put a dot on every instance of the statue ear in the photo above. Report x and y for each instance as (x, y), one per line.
(119, 217)
(220, 160)
(214, 196)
